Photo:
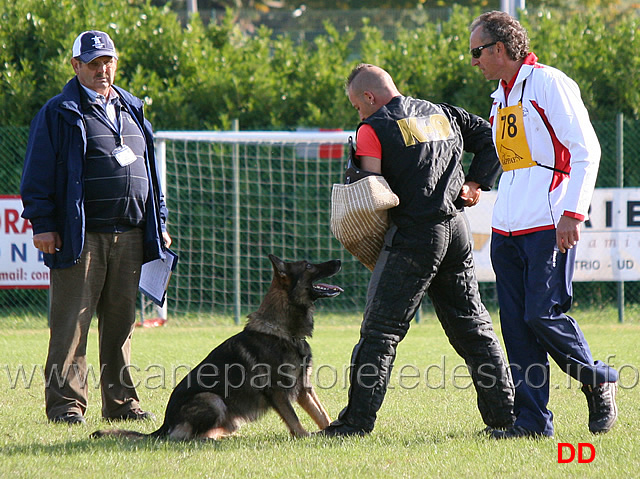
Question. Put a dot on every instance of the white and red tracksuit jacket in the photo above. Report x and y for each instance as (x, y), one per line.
(560, 136)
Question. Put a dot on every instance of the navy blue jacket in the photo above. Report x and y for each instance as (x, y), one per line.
(52, 186)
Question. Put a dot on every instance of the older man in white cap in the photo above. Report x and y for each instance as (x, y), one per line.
(90, 188)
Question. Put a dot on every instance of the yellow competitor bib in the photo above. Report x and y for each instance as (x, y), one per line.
(511, 140)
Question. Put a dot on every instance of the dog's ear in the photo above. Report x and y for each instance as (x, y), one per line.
(278, 266)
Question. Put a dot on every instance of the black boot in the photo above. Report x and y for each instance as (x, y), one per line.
(371, 364)
(603, 411)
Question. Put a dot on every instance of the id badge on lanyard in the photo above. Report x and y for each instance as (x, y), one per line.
(511, 140)
(124, 155)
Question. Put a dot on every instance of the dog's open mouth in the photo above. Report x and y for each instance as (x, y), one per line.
(323, 290)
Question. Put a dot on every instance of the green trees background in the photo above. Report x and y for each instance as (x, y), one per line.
(198, 76)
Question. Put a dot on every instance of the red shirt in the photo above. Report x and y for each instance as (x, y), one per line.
(367, 142)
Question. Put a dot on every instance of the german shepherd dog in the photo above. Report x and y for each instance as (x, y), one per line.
(266, 365)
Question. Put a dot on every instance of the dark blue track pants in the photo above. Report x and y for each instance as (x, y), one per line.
(533, 281)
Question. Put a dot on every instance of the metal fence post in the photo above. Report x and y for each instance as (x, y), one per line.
(236, 225)
(161, 153)
(620, 184)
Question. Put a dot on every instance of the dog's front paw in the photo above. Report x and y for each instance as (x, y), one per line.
(324, 422)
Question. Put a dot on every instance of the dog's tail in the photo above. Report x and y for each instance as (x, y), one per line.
(126, 434)
(118, 433)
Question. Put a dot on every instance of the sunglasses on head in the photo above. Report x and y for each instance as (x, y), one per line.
(476, 52)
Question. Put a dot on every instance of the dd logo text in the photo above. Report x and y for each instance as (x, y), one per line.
(567, 452)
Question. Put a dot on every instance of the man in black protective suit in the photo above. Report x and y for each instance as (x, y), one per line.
(418, 147)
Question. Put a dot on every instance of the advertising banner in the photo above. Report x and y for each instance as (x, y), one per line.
(609, 247)
(21, 264)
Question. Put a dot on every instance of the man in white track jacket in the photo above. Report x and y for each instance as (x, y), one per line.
(563, 147)
(549, 154)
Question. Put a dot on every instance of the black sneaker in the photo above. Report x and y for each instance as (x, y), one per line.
(502, 427)
(70, 418)
(516, 432)
(133, 415)
(487, 431)
(603, 411)
(341, 430)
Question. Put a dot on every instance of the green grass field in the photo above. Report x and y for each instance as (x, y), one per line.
(428, 425)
